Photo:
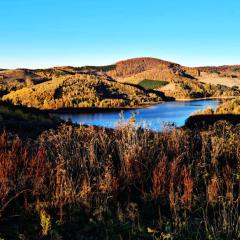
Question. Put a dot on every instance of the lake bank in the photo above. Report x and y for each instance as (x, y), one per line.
(143, 106)
(204, 98)
(153, 116)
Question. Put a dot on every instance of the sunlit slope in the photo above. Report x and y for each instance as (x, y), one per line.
(179, 81)
(183, 82)
(81, 90)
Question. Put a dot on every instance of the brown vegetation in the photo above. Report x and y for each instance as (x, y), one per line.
(26, 122)
(229, 107)
(137, 65)
(11, 80)
(123, 183)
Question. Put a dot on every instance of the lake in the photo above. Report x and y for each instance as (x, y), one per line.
(153, 117)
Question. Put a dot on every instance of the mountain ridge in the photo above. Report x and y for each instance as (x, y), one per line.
(171, 79)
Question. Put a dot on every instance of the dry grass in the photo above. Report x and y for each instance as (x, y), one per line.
(181, 183)
(22, 170)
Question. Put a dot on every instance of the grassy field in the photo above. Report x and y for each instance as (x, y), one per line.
(152, 84)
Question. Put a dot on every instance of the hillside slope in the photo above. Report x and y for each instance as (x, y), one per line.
(80, 91)
(16, 79)
(183, 82)
(172, 79)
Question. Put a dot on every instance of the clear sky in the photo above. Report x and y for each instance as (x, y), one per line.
(43, 33)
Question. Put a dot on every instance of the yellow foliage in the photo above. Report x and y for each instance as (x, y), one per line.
(81, 91)
(45, 222)
(151, 230)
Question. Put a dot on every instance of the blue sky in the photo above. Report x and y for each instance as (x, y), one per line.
(43, 33)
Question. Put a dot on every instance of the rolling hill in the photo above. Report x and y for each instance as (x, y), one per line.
(82, 91)
(184, 82)
(129, 83)
(136, 69)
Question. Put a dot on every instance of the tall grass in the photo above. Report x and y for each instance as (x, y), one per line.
(129, 183)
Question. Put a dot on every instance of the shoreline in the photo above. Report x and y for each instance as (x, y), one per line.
(97, 110)
(204, 98)
(103, 110)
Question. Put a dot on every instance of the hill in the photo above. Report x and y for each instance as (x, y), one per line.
(15, 79)
(11, 80)
(135, 69)
(183, 82)
(224, 75)
(170, 78)
(82, 91)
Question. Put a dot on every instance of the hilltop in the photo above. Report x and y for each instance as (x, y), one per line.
(179, 81)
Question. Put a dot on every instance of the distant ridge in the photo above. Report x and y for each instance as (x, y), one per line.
(172, 79)
(148, 61)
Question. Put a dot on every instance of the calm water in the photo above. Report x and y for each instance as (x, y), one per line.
(152, 117)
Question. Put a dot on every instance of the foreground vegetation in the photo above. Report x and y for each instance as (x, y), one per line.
(25, 122)
(79, 182)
